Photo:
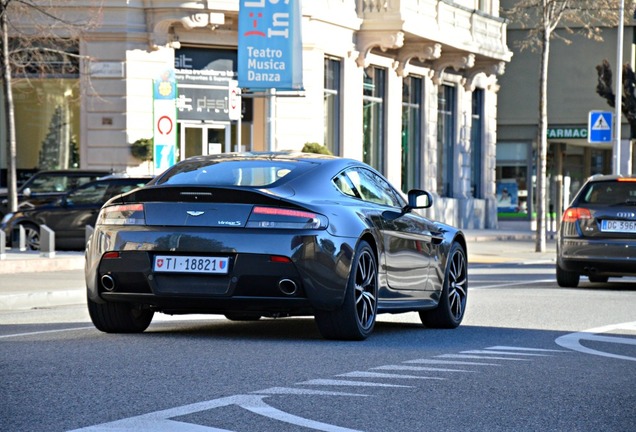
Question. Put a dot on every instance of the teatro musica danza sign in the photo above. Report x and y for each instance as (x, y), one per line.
(269, 45)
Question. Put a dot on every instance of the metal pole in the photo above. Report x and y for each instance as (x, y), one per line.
(271, 120)
(619, 90)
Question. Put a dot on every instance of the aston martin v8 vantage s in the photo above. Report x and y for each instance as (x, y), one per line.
(251, 235)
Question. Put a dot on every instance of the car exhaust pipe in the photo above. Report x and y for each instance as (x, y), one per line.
(108, 282)
(287, 286)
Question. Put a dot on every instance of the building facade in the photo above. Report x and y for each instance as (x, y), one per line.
(408, 86)
(572, 95)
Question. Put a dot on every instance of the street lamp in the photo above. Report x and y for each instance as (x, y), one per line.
(618, 103)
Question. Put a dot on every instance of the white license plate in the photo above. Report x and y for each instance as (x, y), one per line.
(618, 226)
(191, 264)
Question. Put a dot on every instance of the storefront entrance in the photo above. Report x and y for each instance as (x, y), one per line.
(204, 139)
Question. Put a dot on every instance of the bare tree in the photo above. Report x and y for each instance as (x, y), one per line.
(40, 38)
(545, 20)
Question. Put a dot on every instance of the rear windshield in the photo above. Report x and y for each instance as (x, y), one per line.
(609, 193)
(228, 173)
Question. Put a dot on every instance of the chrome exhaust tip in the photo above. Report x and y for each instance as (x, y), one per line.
(108, 282)
(287, 286)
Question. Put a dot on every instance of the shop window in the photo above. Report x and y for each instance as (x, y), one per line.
(373, 117)
(476, 145)
(332, 104)
(411, 132)
(446, 119)
(47, 123)
(513, 161)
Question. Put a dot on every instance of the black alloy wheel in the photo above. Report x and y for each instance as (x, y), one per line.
(355, 319)
(452, 304)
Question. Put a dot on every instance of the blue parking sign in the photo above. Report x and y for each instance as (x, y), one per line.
(599, 127)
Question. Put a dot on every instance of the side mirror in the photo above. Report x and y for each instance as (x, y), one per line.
(419, 199)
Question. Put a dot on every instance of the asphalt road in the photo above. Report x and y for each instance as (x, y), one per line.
(529, 356)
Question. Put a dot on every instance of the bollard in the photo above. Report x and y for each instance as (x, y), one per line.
(18, 238)
(47, 242)
(3, 246)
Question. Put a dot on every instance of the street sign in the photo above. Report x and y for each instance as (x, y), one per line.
(600, 127)
(234, 100)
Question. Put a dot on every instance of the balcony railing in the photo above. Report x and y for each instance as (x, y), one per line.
(439, 21)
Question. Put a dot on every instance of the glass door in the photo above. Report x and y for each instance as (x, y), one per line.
(203, 139)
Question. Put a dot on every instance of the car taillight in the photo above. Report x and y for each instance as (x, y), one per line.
(576, 213)
(275, 217)
(125, 214)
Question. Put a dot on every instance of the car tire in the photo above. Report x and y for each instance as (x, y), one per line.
(598, 279)
(567, 279)
(452, 304)
(355, 319)
(240, 316)
(32, 236)
(119, 317)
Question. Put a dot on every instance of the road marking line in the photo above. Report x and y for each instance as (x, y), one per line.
(305, 391)
(487, 351)
(512, 348)
(417, 368)
(573, 340)
(45, 332)
(465, 356)
(508, 284)
(333, 382)
(450, 362)
(364, 374)
(257, 406)
(161, 421)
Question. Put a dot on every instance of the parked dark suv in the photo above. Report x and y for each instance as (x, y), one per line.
(597, 236)
(45, 186)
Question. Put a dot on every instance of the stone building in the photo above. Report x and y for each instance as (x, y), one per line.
(408, 86)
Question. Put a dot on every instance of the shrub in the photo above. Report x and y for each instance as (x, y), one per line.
(312, 147)
(142, 149)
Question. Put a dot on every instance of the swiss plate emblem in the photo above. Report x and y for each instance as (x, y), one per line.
(160, 263)
(222, 264)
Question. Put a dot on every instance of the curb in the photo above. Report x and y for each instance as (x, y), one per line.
(35, 300)
(26, 262)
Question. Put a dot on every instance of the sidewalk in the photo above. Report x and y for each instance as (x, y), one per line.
(22, 287)
(14, 262)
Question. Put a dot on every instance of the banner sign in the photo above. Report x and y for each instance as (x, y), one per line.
(165, 120)
(270, 45)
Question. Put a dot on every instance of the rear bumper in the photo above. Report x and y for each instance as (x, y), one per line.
(315, 278)
(597, 257)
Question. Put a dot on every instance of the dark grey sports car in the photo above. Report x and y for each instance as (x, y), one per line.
(256, 235)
